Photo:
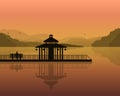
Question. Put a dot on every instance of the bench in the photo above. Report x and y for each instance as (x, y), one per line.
(16, 56)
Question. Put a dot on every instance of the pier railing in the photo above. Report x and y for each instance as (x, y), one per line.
(76, 57)
(36, 57)
(5, 57)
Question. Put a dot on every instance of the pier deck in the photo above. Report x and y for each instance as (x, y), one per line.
(36, 58)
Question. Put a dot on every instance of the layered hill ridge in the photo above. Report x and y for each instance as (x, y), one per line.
(7, 41)
(80, 41)
(112, 40)
(71, 41)
(21, 36)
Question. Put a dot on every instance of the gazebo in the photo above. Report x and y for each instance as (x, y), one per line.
(51, 50)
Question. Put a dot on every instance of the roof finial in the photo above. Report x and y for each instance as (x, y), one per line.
(50, 35)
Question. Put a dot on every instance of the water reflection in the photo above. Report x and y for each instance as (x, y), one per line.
(112, 53)
(51, 73)
(39, 78)
(77, 65)
(16, 66)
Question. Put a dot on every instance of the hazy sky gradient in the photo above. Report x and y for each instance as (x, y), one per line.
(61, 17)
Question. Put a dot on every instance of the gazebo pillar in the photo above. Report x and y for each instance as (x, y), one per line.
(57, 53)
(39, 53)
(62, 53)
(55, 50)
(51, 54)
(44, 53)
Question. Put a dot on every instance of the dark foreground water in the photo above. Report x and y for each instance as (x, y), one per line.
(99, 78)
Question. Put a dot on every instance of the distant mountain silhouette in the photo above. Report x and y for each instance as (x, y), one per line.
(7, 41)
(113, 39)
(80, 41)
(71, 42)
(71, 45)
(23, 36)
(116, 41)
(15, 34)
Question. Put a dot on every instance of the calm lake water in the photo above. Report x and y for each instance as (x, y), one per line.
(99, 78)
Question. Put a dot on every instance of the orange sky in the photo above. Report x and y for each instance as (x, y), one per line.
(61, 17)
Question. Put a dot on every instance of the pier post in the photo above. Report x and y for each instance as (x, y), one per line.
(57, 53)
(44, 53)
(62, 53)
(41, 54)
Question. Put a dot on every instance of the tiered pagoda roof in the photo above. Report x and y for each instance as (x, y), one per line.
(51, 39)
(51, 42)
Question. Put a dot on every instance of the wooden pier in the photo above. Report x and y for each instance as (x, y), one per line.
(49, 51)
(35, 58)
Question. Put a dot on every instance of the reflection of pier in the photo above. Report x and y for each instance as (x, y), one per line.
(51, 73)
(16, 66)
(35, 65)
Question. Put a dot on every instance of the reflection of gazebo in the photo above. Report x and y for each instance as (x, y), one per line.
(51, 50)
(51, 73)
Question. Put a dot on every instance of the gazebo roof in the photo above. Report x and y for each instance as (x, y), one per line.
(51, 45)
(51, 39)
